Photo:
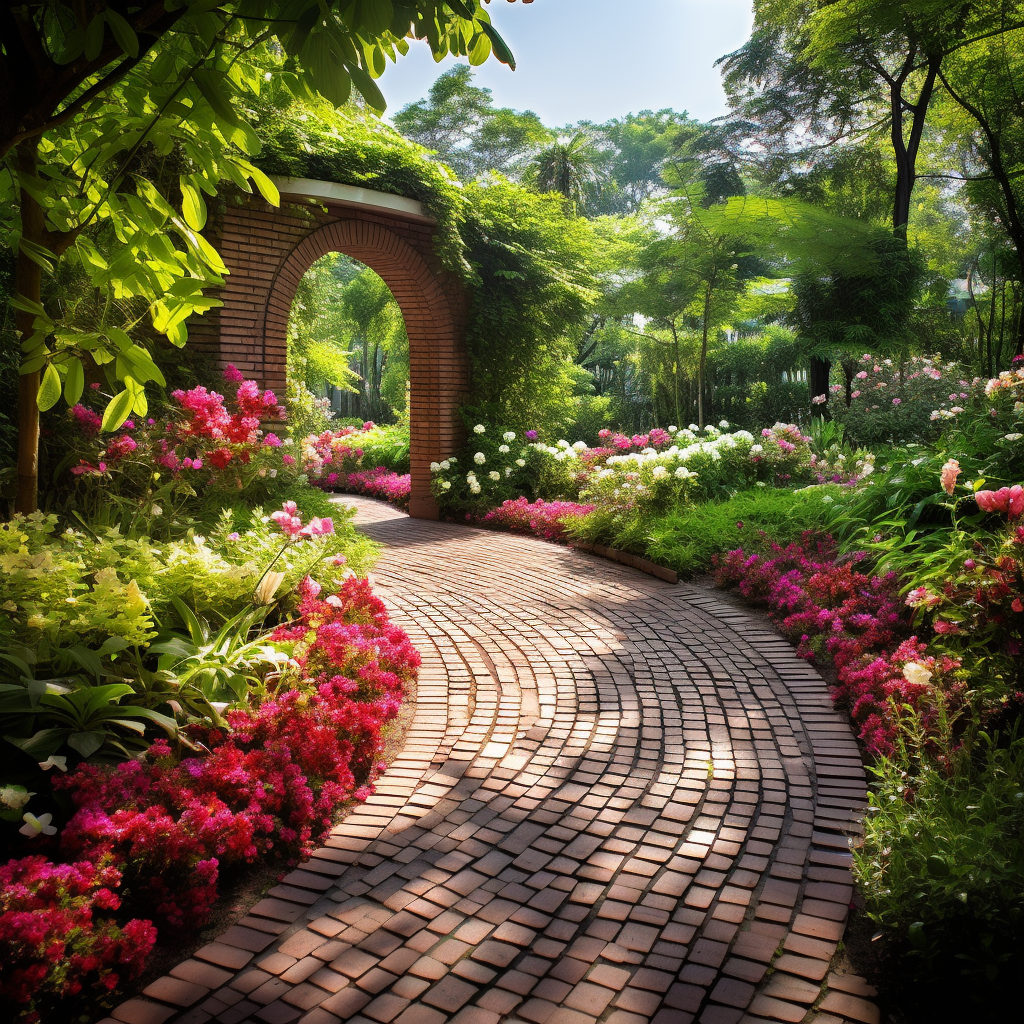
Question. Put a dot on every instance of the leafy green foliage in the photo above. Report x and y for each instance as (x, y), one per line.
(941, 868)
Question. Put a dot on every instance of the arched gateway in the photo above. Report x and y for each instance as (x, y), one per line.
(268, 249)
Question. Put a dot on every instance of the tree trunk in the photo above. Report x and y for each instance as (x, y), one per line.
(28, 282)
(703, 356)
(675, 370)
(905, 149)
(820, 368)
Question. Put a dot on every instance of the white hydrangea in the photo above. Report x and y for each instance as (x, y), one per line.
(503, 448)
(672, 430)
(580, 446)
(479, 428)
(520, 463)
(508, 471)
(435, 467)
(659, 472)
(724, 424)
(446, 485)
(509, 435)
(756, 449)
(479, 458)
(494, 475)
(447, 464)
(682, 473)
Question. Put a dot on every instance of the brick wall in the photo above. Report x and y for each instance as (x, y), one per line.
(267, 250)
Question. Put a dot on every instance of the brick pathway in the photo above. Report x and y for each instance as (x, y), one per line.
(619, 801)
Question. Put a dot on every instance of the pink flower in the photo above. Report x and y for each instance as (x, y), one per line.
(232, 374)
(288, 460)
(317, 527)
(819, 399)
(855, 394)
(897, 401)
(271, 441)
(862, 375)
(1007, 499)
(947, 477)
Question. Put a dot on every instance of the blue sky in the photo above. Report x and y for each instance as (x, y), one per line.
(595, 59)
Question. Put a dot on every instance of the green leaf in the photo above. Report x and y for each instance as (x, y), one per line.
(212, 85)
(38, 254)
(192, 205)
(462, 9)
(937, 866)
(74, 382)
(501, 50)
(124, 35)
(367, 87)
(117, 410)
(267, 188)
(86, 743)
(480, 49)
(49, 388)
(27, 305)
(94, 37)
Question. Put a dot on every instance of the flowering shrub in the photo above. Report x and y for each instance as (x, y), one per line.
(328, 458)
(899, 402)
(269, 782)
(545, 519)
(206, 442)
(381, 483)
(57, 935)
(646, 471)
(842, 615)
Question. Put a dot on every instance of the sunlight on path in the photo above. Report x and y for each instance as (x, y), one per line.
(618, 801)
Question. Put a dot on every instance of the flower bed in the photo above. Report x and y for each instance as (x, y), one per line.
(333, 460)
(162, 826)
(545, 519)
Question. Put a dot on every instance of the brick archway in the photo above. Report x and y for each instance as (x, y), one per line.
(267, 251)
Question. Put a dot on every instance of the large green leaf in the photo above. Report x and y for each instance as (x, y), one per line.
(124, 35)
(192, 205)
(367, 87)
(49, 388)
(74, 382)
(117, 410)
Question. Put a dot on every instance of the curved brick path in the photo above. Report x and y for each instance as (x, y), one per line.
(619, 801)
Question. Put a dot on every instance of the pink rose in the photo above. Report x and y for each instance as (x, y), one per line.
(947, 478)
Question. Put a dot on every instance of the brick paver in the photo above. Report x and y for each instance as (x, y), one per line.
(619, 801)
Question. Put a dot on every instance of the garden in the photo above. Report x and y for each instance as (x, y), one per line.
(727, 348)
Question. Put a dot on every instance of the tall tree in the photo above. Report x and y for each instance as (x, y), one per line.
(827, 70)
(572, 167)
(458, 121)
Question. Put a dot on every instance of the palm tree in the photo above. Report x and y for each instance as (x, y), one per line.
(569, 166)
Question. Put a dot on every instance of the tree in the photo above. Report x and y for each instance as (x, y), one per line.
(459, 122)
(571, 167)
(88, 92)
(835, 70)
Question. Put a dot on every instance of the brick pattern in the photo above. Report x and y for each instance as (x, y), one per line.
(267, 250)
(619, 801)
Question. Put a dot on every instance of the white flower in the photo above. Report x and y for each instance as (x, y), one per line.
(693, 427)
(16, 797)
(479, 428)
(564, 444)
(761, 483)
(435, 467)
(53, 761)
(267, 588)
(659, 472)
(917, 674)
(503, 448)
(471, 478)
(580, 446)
(520, 463)
(37, 826)
(479, 458)
(1012, 437)
(494, 475)
(446, 485)
(682, 473)
(672, 430)
(288, 442)
(508, 471)
(509, 435)
(828, 499)
(756, 449)
(474, 487)
(724, 424)
(446, 464)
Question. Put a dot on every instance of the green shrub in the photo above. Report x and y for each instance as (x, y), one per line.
(386, 446)
(942, 863)
(687, 537)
